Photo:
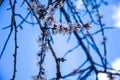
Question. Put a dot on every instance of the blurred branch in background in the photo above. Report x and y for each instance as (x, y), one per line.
(1, 2)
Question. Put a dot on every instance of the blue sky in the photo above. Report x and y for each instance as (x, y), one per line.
(27, 53)
(112, 19)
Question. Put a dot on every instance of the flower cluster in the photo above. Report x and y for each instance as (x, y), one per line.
(42, 76)
(48, 18)
(62, 28)
(53, 24)
(38, 7)
(42, 43)
(41, 9)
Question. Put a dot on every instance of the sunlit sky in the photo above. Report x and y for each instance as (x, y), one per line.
(28, 47)
(116, 16)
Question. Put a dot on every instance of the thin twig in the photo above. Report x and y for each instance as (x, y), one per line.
(4, 47)
(58, 74)
(15, 37)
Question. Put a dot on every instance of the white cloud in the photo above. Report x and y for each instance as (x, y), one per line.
(115, 65)
(116, 16)
(102, 76)
(79, 4)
